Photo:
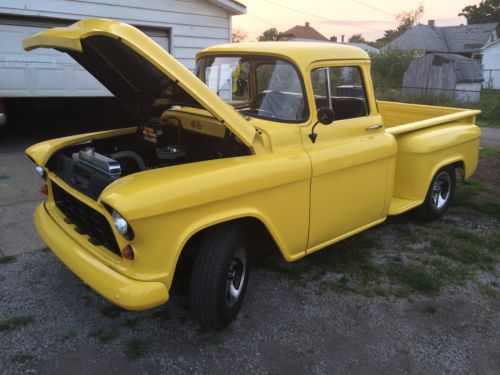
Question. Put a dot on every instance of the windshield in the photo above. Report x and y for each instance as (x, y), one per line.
(263, 87)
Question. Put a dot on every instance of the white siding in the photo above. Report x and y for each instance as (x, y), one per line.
(491, 66)
(194, 24)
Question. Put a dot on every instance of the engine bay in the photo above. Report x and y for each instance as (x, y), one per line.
(91, 166)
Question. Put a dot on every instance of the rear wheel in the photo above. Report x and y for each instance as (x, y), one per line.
(439, 195)
(220, 276)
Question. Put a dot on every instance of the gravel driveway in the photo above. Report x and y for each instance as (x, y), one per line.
(404, 297)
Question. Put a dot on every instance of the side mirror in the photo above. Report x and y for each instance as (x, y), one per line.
(325, 117)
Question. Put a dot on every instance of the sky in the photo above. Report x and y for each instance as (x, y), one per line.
(342, 17)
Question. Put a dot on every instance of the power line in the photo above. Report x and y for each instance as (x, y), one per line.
(261, 19)
(372, 7)
(321, 17)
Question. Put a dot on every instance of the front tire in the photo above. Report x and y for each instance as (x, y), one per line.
(439, 196)
(220, 276)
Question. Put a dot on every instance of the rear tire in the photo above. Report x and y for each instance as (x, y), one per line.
(439, 196)
(220, 276)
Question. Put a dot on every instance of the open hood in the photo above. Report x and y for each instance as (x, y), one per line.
(141, 74)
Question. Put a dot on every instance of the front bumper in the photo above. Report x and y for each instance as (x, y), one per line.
(120, 290)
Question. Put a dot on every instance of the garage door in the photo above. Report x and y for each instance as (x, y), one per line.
(46, 72)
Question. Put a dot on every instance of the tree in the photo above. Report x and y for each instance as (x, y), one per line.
(238, 35)
(357, 38)
(485, 12)
(406, 21)
(269, 34)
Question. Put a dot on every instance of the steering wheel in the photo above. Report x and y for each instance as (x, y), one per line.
(285, 110)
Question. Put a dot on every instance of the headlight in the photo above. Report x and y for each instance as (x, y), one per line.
(120, 223)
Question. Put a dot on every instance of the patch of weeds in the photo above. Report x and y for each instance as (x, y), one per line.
(490, 151)
(429, 309)
(21, 358)
(472, 254)
(12, 324)
(131, 323)
(104, 336)
(69, 334)
(44, 250)
(417, 277)
(135, 348)
(449, 272)
(7, 259)
(351, 257)
(489, 291)
(474, 194)
(111, 311)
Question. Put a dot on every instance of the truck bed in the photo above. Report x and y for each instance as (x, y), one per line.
(428, 138)
(401, 118)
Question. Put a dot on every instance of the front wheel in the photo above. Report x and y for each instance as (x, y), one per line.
(220, 276)
(439, 195)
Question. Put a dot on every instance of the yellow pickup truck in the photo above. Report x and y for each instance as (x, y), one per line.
(286, 138)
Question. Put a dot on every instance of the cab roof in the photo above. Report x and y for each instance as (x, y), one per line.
(302, 53)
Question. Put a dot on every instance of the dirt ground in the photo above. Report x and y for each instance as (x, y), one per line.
(404, 297)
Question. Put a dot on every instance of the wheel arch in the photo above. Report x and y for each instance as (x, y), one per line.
(253, 221)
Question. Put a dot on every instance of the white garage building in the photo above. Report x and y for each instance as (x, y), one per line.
(491, 65)
(182, 27)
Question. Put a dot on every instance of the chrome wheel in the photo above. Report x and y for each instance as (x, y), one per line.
(236, 275)
(441, 190)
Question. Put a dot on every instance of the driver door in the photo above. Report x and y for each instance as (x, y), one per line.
(352, 158)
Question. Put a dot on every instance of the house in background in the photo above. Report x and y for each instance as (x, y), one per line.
(444, 75)
(302, 34)
(491, 65)
(307, 33)
(466, 40)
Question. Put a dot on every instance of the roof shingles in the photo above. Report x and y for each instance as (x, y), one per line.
(454, 39)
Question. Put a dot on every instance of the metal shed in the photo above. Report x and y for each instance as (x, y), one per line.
(444, 75)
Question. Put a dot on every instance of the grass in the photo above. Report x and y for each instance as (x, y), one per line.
(7, 259)
(103, 335)
(417, 277)
(474, 194)
(490, 151)
(473, 253)
(490, 109)
(21, 358)
(489, 291)
(135, 348)
(12, 324)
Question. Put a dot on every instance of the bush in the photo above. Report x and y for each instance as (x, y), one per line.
(389, 66)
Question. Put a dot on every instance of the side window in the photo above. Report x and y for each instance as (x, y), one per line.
(340, 88)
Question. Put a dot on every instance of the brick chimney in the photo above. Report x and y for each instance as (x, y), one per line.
(342, 36)
(333, 39)
(307, 24)
(431, 23)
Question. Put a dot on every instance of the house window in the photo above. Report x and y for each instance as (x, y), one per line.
(342, 89)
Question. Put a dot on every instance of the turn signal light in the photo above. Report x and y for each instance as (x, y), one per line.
(44, 189)
(127, 252)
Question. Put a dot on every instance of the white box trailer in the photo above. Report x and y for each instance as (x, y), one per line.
(182, 27)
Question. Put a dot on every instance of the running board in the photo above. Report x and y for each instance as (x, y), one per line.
(399, 205)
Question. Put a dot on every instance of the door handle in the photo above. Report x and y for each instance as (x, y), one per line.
(374, 127)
